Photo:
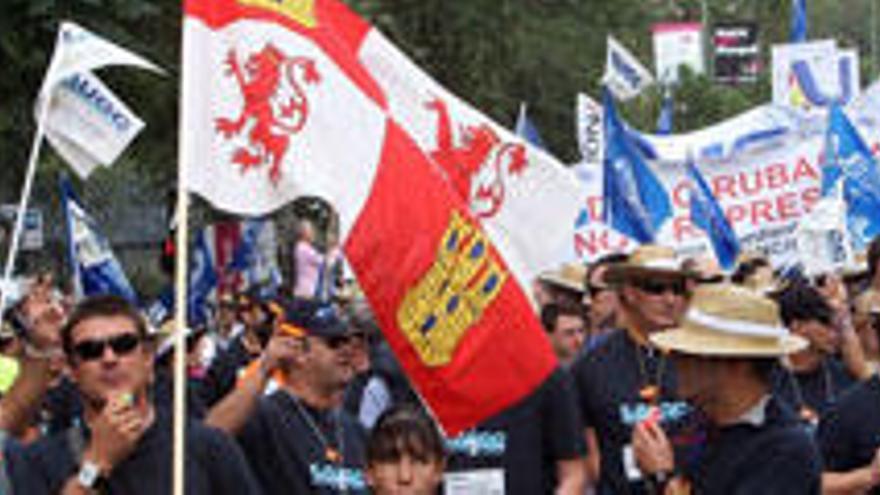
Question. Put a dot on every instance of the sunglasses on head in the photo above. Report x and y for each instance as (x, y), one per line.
(123, 344)
(657, 287)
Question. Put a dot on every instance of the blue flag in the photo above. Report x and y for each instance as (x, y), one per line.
(202, 282)
(667, 113)
(798, 21)
(707, 214)
(635, 202)
(250, 261)
(848, 158)
(526, 130)
(94, 266)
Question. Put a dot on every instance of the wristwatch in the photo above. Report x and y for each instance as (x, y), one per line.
(89, 475)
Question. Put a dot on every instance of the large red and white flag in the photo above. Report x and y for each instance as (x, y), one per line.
(278, 103)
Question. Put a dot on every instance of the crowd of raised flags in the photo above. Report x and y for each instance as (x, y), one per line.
(446, 217)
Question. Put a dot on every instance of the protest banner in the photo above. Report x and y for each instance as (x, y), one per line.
(763, 166)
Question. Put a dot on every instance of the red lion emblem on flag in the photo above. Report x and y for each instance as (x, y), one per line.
(274, 101)
(479, 164)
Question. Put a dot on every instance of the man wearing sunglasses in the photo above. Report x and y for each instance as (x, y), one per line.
(124, 443)
(298, 438)
(652, 296)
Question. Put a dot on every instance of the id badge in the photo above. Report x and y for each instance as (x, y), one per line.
(630, 467)
(475, 482)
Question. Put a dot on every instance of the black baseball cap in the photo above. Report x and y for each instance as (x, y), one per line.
(318, 319)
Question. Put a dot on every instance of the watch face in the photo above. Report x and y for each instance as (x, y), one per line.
(88, 475)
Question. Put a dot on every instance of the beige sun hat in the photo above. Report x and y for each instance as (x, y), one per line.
(569, 276)
(646, 260)
(726, 320)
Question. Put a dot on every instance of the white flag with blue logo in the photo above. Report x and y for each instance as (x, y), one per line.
(625, 76)
(849, 159)
(86, 123)
(95, 268)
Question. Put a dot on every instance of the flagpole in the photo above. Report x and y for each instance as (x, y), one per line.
(180, 291)
(15, 240)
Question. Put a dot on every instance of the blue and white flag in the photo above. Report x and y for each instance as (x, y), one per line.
(625, 76)
(635, 202)
(707, 214)
(848, 158)
(798, 21)
(254, 261)
(202, 282)
(94, 267)
(665, 121)
(86, 123)
(526, 129)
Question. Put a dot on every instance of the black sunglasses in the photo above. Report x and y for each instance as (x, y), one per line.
(89, 350)
(657, 287)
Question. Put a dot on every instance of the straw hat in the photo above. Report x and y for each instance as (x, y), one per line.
(725, 320)
(647, 260)
(568, 276)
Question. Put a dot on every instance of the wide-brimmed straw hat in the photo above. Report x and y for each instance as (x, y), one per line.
(569, 276)
(725, 320)
(648, 260)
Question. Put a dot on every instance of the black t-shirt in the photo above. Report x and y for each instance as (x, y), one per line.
(214, 464)
(849, 433)
(286, 443)
(609, 379)
(61, 407)
(526, 440)
(777, 457)
(163, 394)
(817, 389)
(223, 372)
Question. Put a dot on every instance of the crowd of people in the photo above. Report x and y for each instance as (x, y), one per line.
(673, 378)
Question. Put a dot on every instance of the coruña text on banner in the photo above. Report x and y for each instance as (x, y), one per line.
(277, 104)
(764, 167)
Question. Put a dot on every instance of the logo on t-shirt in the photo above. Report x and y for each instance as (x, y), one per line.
(477, 443)
(337, 477)
(670, 412)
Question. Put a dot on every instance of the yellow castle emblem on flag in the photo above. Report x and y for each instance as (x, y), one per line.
(452, 295)
(301, 11)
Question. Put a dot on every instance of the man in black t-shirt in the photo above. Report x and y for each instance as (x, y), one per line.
(534, 447)
(223, 371)
(812, 379)
(724, 351)
(620, 381)
(298, 439)
(123, 436)
(849, 436)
